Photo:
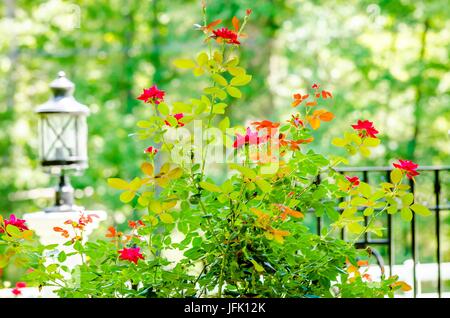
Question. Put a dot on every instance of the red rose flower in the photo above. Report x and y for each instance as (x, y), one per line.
(20, 224)
(365, 128)
(21, 285)
(152, 95)
(16, 291)
(353, 180)
(248, 12)
(132, 254)
(226, 35)
(177, 117)
(408, 166)
(150, 150)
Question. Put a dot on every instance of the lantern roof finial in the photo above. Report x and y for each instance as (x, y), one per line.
(62, 86)
(63, 100)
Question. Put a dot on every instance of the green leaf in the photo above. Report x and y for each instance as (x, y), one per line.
(77, 247)
(241, 80)
(220, 93)
(52, 267)
(258, 267)
(407, 199)
(396, 176)
(249, 173)
(184, 63)
(365, 189)
(365, 152)
(13, 231)
(234, 92)
(163, 109)
(353, 137)
(144, 124)
(155, 206)
(210, 186)
(368, 211)
(127, 196)
(420, 209)
(202, 58)
(232, 62)
(172, 121)
(224, 124)
(194, 253)
(118, 183)
(219, 79)
(392, 209)
(339, 142)
(406, 214)
(236, 71)
(198, 71)
(166, 218)
(179, 107)
(263, 185)
(62, 256)
(219, 108)
(358, 201)
(355, 228)
(371, 142)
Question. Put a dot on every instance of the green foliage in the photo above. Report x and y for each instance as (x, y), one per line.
(245, 237)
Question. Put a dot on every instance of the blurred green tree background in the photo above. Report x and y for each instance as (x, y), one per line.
(387, 61)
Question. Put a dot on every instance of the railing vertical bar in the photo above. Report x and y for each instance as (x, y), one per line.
(341, 200)
(319, 221)
(390, 231)
(366, 180)
(413, 244)
(437, 190)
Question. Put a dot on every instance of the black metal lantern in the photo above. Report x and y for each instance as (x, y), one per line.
(63, 139)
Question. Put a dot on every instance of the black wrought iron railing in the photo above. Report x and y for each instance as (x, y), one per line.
(435, 197)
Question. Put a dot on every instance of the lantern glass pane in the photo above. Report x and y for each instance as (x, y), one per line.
(82, 135)
(63, 138)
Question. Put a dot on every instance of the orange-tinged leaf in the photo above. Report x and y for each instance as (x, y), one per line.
(326, 116)
(313, 121)
(147, 168)
(27, 234)
(326, 94)
(403, 286)
(211, 26)
(278, 235)
(363, 263)
(235, 22)
(352, 269)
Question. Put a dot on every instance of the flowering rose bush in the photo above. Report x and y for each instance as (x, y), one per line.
(245, 236)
